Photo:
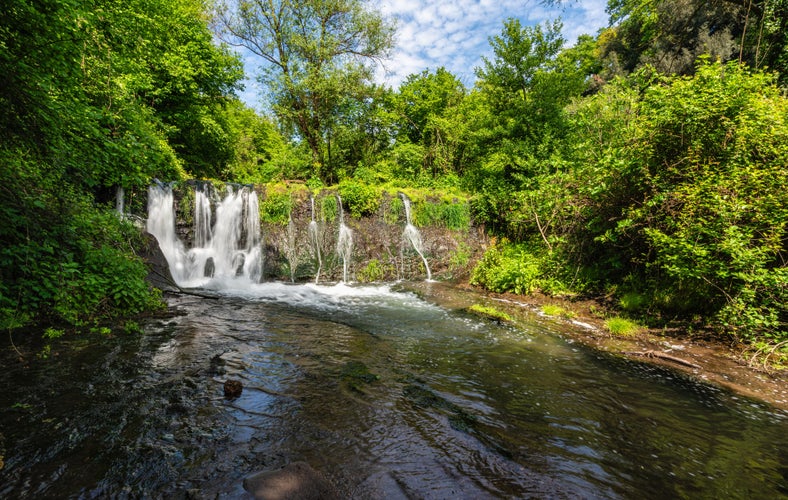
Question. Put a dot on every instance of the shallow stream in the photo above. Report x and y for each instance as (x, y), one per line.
(381, 390)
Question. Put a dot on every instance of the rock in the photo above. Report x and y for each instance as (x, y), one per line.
(296, 481)
(233, 388)
(159, 274)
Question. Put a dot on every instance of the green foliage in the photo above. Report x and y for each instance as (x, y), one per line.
(358, 198)
(319, 54)
(556, 310)
(373, 271)
(632, 301)
(452, 215)
(460, 257)
(276, 206)
(715, 148)
(53, 333)
(329, 208)
(622, 327)
(80, 271)
(508, 267)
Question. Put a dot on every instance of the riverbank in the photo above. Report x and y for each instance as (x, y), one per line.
(696, 357)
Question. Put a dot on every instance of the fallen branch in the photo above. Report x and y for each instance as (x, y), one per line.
(177, 289)
(665, 356)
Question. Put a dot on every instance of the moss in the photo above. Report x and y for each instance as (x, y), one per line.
(489, 313)
(356, 375)
(555, 310)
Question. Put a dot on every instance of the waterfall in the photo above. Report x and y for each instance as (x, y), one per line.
(314, 236)
(202, 217)
(228, 249)
(344, 242)
(291, 250)
(120, 201)
(413, 235)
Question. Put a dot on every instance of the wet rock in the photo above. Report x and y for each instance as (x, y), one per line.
(293, 481)
(233, 388)
(217, 365)
(356, 375)
(159, 274)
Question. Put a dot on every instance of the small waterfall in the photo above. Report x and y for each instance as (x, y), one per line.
(120, 201)
(202, 217)
(413, 235)
(161, 224)
(291, 251)
(344, 242)
(314, 236)
(228, 249)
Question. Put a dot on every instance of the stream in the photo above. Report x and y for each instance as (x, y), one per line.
(381, 390)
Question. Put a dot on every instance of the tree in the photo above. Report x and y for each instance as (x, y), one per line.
(93, 95)
(426, 105)
(318, 53)
(671, 34)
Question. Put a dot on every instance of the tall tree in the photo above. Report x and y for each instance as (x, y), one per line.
(426, 103)
(317, 54)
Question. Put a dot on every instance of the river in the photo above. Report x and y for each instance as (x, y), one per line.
(381, 390)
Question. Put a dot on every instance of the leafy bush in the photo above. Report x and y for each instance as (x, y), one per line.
(358, 198)
(276, 206)
(508, 268)
(329, 208)
(80, 272)
(373, 271)
(519, 268)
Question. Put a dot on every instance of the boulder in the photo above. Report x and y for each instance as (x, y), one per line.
(294, 481)
(233, 388)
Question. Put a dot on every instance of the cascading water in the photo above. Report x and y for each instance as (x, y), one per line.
(413, 235)
(202, 217)
(120, 201)
(344, 242)
(314, 236)
(228, 249)
(291, 250)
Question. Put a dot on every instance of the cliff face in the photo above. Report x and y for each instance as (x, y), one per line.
(300, 232)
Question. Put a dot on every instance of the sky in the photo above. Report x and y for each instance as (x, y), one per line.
(454, 34)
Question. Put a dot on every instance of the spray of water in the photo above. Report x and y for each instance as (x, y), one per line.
(413, 235)
(344, 242)
(314, 237)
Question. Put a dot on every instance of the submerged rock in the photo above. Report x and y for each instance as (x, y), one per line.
(233, 388)
(293, 481)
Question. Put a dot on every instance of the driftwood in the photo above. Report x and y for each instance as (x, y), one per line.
(176, 289)
(665, 356)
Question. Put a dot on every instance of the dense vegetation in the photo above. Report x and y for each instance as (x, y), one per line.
(645, 163)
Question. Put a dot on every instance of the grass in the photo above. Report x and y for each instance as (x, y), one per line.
(622, 327)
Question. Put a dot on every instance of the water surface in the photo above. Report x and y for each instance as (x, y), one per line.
(387, 394)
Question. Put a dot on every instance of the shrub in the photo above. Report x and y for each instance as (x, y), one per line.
(358, 198)
(276, 207)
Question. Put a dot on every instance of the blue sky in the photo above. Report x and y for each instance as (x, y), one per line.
(455, 34)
